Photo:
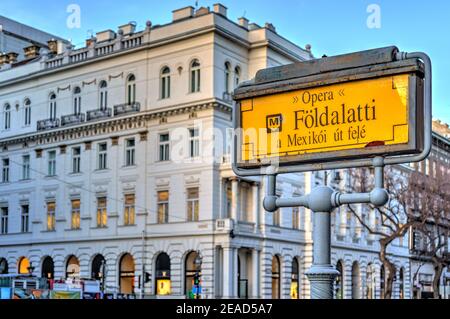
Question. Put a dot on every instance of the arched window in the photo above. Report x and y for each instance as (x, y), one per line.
(52, 106)
(192, 268)
(165, 83)
(356, 281)
(48, 268)
(195, 76)
(295, 287)
(276, 277)
(77, 100)
(24, 266)
(401, 284)
(131, 89)
(3, 266)
(73, 268)
(27, 112)
(370, 282)
(98, 267)
(382, 282)
(237, 76)
(103, 95)
(162, 276)
(7, 116)
(339, 294)
(126, 274)
(227, 77)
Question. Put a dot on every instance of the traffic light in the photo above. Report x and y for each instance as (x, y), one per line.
(147, 277)
(196, 279)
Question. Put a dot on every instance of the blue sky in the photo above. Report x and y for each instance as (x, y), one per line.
(331, 27)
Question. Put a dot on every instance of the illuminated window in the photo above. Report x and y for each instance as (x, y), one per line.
(163, 207)
(294, 279)
(73, 268)
(129, 211)
(126, 273)
(76, 214)
(102, 217)
(24, 265)
(275, 277)
(51, 211)
(162, 277)
(192, 204)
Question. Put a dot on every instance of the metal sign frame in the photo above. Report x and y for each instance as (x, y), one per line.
(363, 65)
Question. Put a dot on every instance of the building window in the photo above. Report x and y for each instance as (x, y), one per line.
(103, 95)
(102, 217)
(130, 151)
(162, 276)
(27, 112)
(4, 221)
(129, 211)
(295, 218)
(164, 146)
(276, 275)
(227, 77)
(7, 117)
(163, 207)
(237, 76)
(131, 89)
(228, 199)
(194, 143)
(195, 76)
(192, 204)
(52, 106)
(25, 218)
(276, 218)
(102, 156)
(5, 170)
(51, 211)
(52, 163)
(165, 83)
(295, 288)
(76, 160)
(77, 101)
(75, 220)
(26, 167)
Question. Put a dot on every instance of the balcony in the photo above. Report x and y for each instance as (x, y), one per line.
(98, 114)
(127, 108)
(72, 119)
(47, 124)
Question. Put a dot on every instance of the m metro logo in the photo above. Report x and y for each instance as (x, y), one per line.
(274, 123)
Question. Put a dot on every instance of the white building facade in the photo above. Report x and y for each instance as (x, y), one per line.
(115, 163)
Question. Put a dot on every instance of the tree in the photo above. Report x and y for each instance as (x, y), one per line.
(393, 220)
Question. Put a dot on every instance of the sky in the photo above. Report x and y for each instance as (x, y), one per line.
(331, 27)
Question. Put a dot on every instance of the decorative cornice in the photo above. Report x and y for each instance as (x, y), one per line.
(94, 81)
(64, 88)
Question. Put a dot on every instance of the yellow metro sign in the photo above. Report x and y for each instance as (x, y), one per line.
(358, 114)
(372, 110)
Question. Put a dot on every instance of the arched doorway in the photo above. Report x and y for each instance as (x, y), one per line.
(23, 266)
(339, 293)
(3, 266)
(295, 287)
(276, 277)
(48, 268)
(73, 268)
(370, 282)
(98, 267)
(126, 274)
(401, 283)
(162, 277)
(192, 267)
(356, 281)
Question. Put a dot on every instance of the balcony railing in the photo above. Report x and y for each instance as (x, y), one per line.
(47, 124)
(72, 119)
(98, 114)
(127, 108)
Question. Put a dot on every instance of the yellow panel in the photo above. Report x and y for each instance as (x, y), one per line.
(337, 117)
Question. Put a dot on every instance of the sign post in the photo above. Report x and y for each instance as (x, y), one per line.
(364, 109)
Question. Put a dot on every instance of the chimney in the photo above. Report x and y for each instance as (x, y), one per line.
(4, 59)
(202, 11)
(220, 9)
(12, 57)
(243, 22)
(31, 51)
(53, 46)
(271, 27)
(128, 28)
(90, 41)
(183, 13)
(106, 35)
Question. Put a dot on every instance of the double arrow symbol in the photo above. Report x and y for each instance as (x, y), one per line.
(295, 99)
(341, 92)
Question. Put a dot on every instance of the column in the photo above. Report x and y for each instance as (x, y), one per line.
(255, 274)
(235, 198)
(228, 272)
(255, 195)
(234, 278)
